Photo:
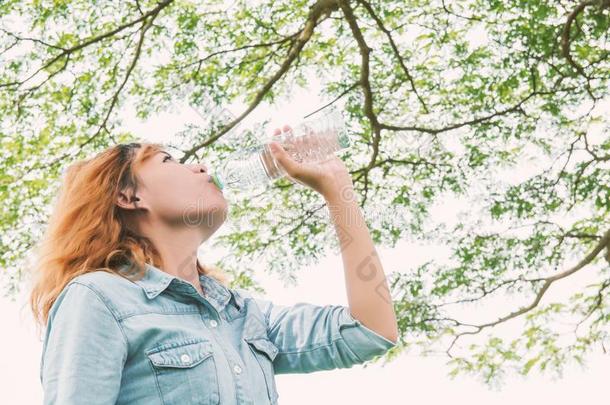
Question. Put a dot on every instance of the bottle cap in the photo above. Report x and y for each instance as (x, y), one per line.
(217, 181)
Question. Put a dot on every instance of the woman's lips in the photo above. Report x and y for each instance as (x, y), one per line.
(211, 180)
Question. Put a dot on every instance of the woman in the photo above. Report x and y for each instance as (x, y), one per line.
(131, 316)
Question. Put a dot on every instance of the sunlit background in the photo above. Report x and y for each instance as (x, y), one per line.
(407, 379)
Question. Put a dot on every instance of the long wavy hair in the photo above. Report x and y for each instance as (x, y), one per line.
(87, 231)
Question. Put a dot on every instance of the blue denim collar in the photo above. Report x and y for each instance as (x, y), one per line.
(155, 281)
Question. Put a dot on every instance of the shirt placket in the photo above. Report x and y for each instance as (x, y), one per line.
(233, 360)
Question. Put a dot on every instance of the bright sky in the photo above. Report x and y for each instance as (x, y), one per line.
(409, 379)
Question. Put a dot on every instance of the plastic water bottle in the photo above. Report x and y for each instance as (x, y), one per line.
(310, 141)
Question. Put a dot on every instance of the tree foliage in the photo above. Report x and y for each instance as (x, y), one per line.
(446, 100)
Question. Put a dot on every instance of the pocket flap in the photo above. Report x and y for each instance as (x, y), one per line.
(183, 354)
(264, 345)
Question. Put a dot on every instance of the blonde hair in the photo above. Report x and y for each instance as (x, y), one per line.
(87, 231)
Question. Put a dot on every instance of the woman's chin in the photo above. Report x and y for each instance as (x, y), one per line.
(219, 214)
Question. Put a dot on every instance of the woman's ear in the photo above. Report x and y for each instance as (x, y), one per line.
(127, 200)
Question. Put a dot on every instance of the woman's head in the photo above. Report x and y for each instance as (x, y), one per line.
(157, 189)
(106, 207)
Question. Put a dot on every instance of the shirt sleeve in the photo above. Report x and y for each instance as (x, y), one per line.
(84, 350)
(312, 338)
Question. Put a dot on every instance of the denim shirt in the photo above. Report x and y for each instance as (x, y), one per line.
(110, 340)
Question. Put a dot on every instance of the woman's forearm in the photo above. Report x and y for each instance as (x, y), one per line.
(367, 289)
(368, 294)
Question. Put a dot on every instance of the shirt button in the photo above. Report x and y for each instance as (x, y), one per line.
(237, 369)
(185, 358)
(213, 323)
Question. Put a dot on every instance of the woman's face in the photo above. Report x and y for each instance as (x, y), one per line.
(180, 194)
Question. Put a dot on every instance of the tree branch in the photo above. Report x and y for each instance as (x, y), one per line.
(364, 81)
(401, 61)
(224, 51)
(68, 51)
(281, 238)
(313, 19)
(565, 37)
(35, 40)
(599, 298)
(147, 23)
(350, 88)
(604, 243)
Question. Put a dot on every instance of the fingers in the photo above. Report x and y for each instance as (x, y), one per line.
(285, 128)
(277, 136)
(290, 166)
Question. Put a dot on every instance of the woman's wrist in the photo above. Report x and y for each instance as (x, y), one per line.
(341, 194)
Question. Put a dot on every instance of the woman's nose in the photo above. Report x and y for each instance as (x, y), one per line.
(201, 168)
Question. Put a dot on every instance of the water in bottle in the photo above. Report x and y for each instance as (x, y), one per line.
(310, 141)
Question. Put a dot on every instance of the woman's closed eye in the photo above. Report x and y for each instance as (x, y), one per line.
(167, 157)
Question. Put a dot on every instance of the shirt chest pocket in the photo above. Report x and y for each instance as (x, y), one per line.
(265, 351)
(185, 372)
